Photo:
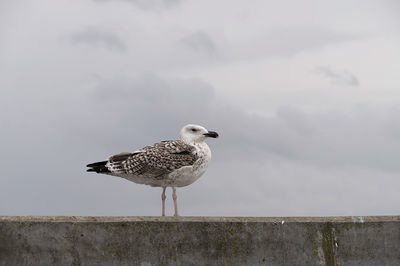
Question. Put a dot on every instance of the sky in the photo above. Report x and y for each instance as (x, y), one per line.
(304, 94)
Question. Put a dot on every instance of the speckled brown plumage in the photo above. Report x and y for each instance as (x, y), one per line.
(154, 161)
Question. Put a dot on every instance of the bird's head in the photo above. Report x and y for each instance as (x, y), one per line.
(195, 134)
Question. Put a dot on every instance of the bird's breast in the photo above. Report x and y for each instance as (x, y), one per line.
(189, 174)
(204, 156)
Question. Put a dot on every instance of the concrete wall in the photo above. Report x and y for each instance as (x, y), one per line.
(199, 241)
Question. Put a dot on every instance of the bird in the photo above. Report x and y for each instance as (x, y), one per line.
(170, 163)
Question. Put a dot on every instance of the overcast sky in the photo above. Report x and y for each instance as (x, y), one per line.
(304, 94)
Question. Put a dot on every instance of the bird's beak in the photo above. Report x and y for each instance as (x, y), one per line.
(211, 134)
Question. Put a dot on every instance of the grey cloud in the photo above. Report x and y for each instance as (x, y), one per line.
(148, 4)
(306, 37)
(287, 41)
(98, 37)
(276, 42)
(151, 89)
(205, 47)
(200, 42)
(338, 77)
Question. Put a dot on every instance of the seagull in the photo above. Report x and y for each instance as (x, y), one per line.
(171, 163)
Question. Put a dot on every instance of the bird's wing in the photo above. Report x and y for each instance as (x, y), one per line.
(154, 161)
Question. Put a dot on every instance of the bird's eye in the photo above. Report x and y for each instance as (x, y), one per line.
(194, 129)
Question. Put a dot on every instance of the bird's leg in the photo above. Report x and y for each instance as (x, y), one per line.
(163, 197)
(175, 201)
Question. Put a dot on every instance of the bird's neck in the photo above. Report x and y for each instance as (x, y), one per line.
(192, 142)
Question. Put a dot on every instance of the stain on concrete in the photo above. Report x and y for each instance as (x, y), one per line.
(327, 245)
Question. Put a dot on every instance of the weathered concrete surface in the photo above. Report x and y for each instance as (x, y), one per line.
(199, 241)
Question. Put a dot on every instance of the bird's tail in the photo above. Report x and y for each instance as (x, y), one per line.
(99, 167)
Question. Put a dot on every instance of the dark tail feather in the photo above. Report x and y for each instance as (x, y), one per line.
(99, 167)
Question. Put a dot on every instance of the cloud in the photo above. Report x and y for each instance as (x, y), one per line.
(286, 41)
(175, 49)
(338, 77)
(148, 4)
(200, 42)
(100, 38)
(211, 47)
